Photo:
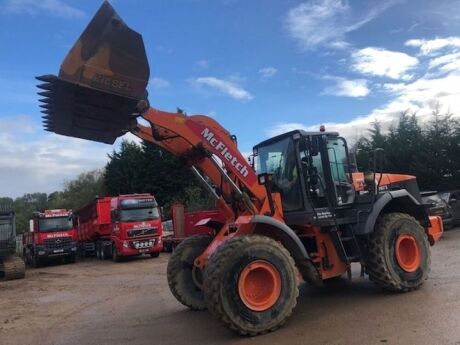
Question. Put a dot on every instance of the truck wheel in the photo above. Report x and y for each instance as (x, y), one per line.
(26, 257)
(185, 282)
(98, 250)
(250, 284)
(155, 254)
(102, 252)
(72, 259)
(36, 262)
(399, 253)
(115, 256)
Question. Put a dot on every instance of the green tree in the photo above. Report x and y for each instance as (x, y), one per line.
(146, 168)
(430, 152)
(125, 169)
(80, 191)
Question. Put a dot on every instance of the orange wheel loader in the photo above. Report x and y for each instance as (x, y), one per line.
(299, 210)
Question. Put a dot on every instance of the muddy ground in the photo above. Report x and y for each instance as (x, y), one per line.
(94, 302)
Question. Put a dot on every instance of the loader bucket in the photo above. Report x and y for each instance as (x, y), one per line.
(100, 82)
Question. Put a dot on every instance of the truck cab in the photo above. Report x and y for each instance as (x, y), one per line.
(52, 235)
(136, 225)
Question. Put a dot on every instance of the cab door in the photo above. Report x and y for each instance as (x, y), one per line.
(337, 170)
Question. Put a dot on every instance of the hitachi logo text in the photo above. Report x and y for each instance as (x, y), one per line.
(223, 150)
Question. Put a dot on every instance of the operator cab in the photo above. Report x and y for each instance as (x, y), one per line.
(311, 171)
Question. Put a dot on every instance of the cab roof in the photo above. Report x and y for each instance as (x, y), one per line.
(301, 132)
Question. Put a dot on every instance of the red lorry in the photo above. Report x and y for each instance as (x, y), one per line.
(186, 224)
(120, 226)
(52, 235)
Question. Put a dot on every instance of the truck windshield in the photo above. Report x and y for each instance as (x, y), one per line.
(55, 224)
(139, 214)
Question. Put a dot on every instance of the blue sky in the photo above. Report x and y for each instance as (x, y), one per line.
(259, 67)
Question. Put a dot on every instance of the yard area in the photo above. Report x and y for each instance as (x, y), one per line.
(94, 302)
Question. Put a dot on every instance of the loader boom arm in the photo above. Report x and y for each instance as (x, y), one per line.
(202, 142)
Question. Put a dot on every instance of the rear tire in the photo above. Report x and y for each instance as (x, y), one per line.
(250, 284)
(399, 253)
(98, 250)
(103, 250)
(181, 272)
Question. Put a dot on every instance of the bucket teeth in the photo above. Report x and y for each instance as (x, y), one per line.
(46, 100)
(82, 112)
(46, 78)
(46, 86)
(46, 93)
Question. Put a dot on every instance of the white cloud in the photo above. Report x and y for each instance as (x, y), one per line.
(227, 87)
(347, 87)
(383, 63)
(448, 62)
(17, 124)
(432, 47)
(36, 161)
(326, 22)
(159, 83)
(351, 130)
(268, 72)
(420, 96)
(55, 8)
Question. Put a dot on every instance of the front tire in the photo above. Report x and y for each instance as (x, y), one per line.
(115, 256)
(36, 262)
(399, 253)
(155, 254)
(183, 278)
(250, 284)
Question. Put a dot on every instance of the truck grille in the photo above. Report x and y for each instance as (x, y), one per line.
(58, 243)
(142, 232)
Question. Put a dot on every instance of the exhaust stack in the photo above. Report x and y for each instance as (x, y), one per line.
(100, 81)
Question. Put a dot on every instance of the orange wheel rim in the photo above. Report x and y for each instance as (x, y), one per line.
(407, 252)
(259, 285)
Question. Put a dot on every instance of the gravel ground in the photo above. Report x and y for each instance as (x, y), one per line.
(94, 302)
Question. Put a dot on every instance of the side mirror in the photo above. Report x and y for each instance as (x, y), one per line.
(31, 225)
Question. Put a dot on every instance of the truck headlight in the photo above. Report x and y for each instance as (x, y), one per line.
(125, 244)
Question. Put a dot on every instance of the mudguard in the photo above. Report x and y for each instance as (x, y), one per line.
(275, 228)
(394, 201)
